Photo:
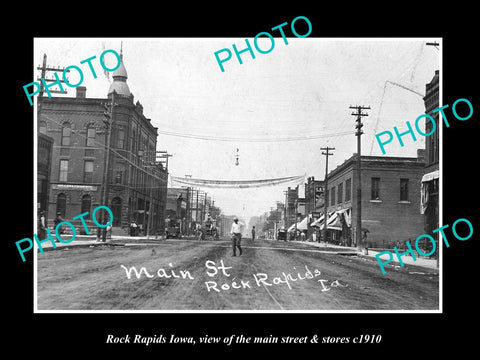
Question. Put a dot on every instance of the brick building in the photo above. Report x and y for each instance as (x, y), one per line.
(289, 216)
(314, 195)
(390, 200)
(44, 161)
(137, 182)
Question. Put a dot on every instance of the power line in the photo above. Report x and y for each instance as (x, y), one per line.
(44, 68)
(381, 104)
(102, 145)
(274, 139)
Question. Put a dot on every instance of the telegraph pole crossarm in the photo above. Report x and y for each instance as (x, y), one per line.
(44, 68)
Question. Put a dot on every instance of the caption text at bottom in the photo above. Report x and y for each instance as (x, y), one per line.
(241, 339)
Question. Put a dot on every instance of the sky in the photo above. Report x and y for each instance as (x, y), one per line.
(303, 89)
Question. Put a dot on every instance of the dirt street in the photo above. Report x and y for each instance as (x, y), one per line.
(193, 275)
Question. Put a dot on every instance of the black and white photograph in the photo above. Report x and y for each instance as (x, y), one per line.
(220, 165)
(219, 180)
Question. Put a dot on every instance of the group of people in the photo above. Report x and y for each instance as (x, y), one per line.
(42, 224)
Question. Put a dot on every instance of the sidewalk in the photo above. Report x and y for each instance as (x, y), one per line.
(407, 260)
(91, 240)
(80, 241)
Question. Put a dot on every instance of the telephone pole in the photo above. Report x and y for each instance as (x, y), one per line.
(43, 72)
(327, 154)
(108, 114)
(44, 68)
(188, 210)
(358, 134)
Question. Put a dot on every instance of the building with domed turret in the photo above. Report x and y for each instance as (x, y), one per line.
(136, 182)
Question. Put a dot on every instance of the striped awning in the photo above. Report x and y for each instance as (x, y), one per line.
(431, 176)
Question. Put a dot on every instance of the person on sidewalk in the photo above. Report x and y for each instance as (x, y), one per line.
(236, 233)
(253, 233)
(42, 226)
(57, 221)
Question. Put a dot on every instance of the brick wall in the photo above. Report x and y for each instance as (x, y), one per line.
(388, 219)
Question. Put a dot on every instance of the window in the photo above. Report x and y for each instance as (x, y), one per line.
(88, 171)
(403, 189)
(118, 176)
(86, 205)
(61, 204)
(42, 127)
(332, 196)
(121, 138)
(375, 188)
(133, 141)
(66, 133)
(90, 136)
(348, 190)
(340, 193)
(63, 170)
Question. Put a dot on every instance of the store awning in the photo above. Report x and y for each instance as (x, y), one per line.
(431, 176)
(318, 221)
(301, 225)
(333, 222)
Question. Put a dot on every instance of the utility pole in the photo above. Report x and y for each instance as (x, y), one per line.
(44, 68)
(151, 178)
(325, 212)
(43, 72)
(159, 157)
(108, 128)
(150, 205)
(358, 134)
(162, 154)
(296, 212)
(196, 210)
(188, 210)
(204, 212)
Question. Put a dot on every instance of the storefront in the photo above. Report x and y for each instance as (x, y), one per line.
(429, 202)
(338, 227)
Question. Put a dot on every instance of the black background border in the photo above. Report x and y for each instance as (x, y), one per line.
(407, 334)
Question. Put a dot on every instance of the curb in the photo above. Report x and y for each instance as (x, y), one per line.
(406, 266)
(67, 246)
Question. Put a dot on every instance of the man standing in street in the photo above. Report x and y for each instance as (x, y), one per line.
(253, 233)
(236, 233)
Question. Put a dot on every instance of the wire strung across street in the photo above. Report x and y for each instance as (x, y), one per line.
(238, 184)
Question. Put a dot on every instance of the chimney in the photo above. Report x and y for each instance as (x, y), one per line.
(81, 92)
(421, 155)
